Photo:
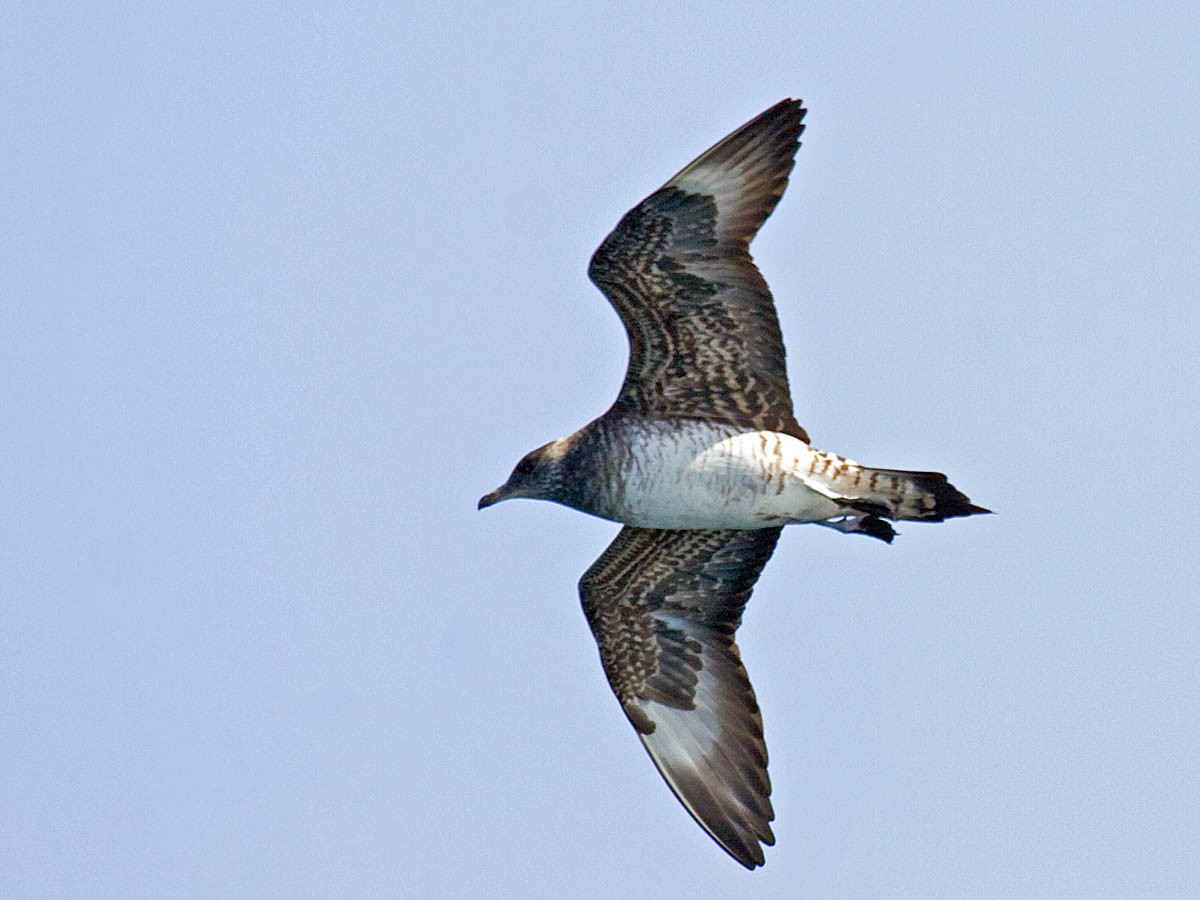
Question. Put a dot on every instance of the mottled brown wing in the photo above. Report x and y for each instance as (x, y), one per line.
(704, 339)
(664, 606)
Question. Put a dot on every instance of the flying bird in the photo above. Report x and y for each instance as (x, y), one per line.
(702, 462)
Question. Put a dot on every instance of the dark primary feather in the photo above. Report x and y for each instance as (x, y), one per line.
(703, 335)
(664, 607)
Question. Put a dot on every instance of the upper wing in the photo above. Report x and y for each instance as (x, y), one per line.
(664, 606)
(703, 336)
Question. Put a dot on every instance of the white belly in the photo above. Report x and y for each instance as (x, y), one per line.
(706, 477)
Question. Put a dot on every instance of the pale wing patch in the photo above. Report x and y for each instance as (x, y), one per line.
(664, 607)
(703, 335)
(743, 174)
(712, 755)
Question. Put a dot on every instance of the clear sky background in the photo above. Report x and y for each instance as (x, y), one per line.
(284, 292)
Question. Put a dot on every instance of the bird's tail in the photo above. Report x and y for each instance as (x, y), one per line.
(889, 493)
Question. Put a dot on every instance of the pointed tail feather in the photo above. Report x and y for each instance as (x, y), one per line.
(911, 496)
(889, 493)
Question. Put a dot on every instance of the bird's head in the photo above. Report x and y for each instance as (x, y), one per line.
(538, 476)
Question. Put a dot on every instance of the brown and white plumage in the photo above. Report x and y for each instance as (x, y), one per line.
(664, 606)
(701, 459)
(704, 339)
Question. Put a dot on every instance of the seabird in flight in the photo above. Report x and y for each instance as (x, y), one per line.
(702, 461)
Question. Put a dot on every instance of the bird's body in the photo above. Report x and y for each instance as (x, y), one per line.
(702, 461)
(696, 474)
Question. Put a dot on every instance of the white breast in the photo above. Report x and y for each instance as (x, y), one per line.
(697, 475)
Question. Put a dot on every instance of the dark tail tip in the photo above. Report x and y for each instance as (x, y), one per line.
(949, 501)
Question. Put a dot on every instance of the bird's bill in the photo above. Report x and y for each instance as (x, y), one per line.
(494, 497)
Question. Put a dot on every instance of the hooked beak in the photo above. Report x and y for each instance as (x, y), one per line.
(494, 497)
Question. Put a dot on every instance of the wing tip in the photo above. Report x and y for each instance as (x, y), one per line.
(747, 171)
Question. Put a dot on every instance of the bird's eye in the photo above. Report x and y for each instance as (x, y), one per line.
(525, 466)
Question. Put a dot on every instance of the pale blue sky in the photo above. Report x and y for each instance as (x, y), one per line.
(285, 292)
